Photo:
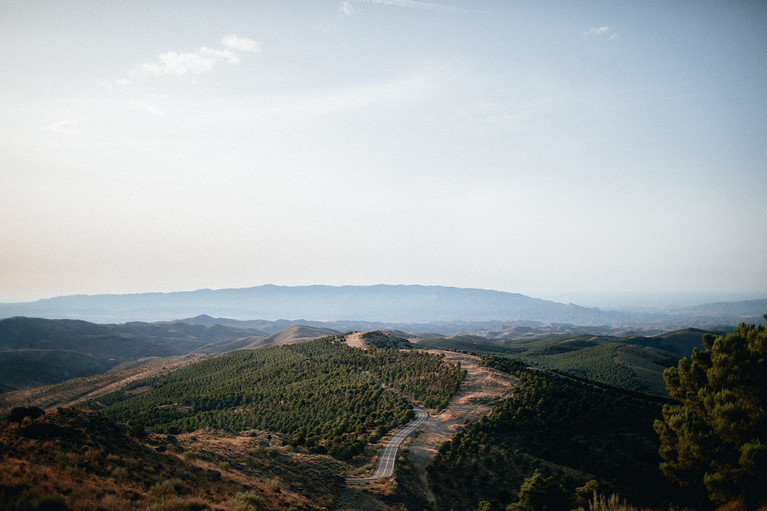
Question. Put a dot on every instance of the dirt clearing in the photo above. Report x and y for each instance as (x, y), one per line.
(481, 390)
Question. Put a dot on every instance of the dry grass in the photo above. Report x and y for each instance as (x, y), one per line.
(86, 462)
(611, 503)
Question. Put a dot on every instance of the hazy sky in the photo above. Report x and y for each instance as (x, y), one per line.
(554, 149)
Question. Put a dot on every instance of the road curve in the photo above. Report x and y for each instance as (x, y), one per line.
(389, 453)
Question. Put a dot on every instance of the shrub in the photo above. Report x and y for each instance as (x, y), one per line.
(111, 503)
(47, 502)
(75, 472)
(248, 502)
(92, 456)
(614, 503)
(166, 488)
(137, 431)
(176, 504)
(120, 473)
(19, 413)
(66, 459)
(273, 484)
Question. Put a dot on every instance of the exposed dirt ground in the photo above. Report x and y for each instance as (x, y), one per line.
(355, 340)
(481, 389)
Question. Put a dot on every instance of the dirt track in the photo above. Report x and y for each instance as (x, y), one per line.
(481, 389)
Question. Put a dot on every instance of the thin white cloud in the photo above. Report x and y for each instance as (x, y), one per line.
(235, 42)
(603, 31)
(67, 127)
(413, 4)
(201, 61)
(227, 55)
(173, 63)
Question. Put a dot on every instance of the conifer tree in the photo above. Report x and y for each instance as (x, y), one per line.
(540, 493)
(715, 438)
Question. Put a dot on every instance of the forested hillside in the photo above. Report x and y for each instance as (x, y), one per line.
(568, 430)
(322, 393)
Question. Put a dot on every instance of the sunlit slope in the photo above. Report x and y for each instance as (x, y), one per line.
(322, 393)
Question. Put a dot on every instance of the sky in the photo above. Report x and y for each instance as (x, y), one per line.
(565, 150)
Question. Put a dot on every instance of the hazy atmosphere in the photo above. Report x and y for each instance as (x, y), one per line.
(562, 150)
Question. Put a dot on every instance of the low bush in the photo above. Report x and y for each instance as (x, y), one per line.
(248, 501)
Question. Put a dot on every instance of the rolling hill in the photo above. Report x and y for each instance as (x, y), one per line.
(631, 362)
(35, 351)
(290, 335)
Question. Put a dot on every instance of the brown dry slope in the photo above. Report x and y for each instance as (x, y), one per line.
(481, 389)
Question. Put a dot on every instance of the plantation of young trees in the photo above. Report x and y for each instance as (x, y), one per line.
(571, 431)
(321, 393)
(587, 356)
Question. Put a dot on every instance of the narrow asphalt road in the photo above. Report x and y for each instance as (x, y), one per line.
(389, 453)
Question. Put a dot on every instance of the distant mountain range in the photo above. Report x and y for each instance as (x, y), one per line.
(389, 304)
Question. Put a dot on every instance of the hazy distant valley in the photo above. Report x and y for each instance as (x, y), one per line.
(36, 351)
(407, 307)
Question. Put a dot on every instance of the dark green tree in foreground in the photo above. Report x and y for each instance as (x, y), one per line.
(715, 439)
(540, 493)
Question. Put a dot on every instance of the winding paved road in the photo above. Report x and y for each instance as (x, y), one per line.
(389, 453)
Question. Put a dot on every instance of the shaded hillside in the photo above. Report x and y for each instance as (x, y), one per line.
(71, 392)
(124, 341)
(101, 340)
(571, 431)
(38, 351)
(680, 342)
(31, 368)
